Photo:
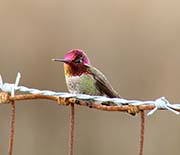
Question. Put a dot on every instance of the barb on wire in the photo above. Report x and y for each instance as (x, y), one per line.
(87, 100)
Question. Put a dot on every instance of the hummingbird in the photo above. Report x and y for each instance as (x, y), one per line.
(82, 78)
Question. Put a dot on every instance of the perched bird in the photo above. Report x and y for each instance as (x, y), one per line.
(82, 78)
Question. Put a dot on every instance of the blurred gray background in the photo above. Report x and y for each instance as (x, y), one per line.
(136, 44)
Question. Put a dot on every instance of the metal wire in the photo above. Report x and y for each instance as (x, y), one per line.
(160, 103)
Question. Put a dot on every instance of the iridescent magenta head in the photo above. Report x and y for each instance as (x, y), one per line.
(76, 56)
(74, 62)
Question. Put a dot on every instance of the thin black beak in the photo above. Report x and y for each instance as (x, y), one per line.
(61, 60)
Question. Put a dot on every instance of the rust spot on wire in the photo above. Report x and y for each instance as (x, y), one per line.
(4, 98)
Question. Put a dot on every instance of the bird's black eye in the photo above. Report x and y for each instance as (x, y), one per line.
(78, 61)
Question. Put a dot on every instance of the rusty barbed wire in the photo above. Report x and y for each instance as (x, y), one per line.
(97, 102)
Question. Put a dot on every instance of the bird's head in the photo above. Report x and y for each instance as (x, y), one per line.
(75, 62)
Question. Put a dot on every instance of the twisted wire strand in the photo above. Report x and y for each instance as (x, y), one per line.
(160, 103)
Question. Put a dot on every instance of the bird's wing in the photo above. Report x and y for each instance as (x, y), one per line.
(102, 84)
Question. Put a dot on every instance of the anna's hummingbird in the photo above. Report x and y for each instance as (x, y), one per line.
(82, 78)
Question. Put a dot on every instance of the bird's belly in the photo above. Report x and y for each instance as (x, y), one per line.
(82, 85)
(73, 84)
